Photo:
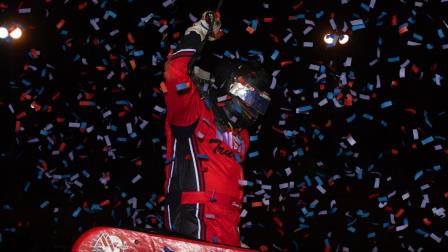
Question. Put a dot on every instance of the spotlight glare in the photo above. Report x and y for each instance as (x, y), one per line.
(343, 39)
(3, 33)
(16, 33)
(328, 38)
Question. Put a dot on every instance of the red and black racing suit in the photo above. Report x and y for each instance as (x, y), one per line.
(203, 170)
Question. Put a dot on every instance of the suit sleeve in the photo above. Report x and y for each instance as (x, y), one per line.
(182, 98)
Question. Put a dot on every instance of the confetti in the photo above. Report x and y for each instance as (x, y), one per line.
(87, 116)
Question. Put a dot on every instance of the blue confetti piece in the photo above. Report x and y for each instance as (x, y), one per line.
(393, 59)
(440, 33)
(304, 109)
(418, 175)
(114, 128)
(437, 167)
(351, 229)
(368, 117)
(237, 157)
(111, 14)
(26, 82)
(322, 69)
(351, 118)
(253, 138)
(27, 186)
(202, 156)
(43, 73)
(181, 86)
(365, 7)
(307, 180)
(85, 173)
(417, 36)
(44, 204)
(299, 152)
(121, 139)
(254, 24)
(304, 210)
(358, 27)
(77, 57)
(76, 212)
(382, 199)
(275, 55)
(421, 232)
(122, 102)
(320, 14)
(253, 154)
(318, 180)
(427, 140)
(386, 104)
(359, 172)
(228, 54)
(139, 53)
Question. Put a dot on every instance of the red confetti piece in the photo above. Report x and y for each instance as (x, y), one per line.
(131, 38)
(257, 204)
(394, 20)
(21, 115)
(133, 64)
(399, 213)
(274, 38)
(18, 125)
(62, 147)
(82, 6)
(394, 152)
(285, 63)
(297, 6)
(60, 24)
(250, 30)
(415, 68)
(105, 203)
(403, 30)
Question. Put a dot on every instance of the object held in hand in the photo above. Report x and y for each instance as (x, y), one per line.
(209, 27)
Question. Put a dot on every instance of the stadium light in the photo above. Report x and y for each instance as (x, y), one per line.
(3, 33)
(16, 33)
(343, 39)
(331, 39)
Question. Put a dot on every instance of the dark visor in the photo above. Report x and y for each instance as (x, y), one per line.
(251, 97)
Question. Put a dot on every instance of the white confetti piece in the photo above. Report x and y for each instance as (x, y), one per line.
(136, 178)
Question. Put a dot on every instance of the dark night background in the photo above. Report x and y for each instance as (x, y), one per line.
(69, 92)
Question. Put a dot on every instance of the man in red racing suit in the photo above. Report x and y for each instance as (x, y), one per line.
(203, 162)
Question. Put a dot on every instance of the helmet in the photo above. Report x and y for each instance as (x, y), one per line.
(238, 93)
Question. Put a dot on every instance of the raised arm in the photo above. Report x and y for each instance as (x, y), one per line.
(182, 98)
